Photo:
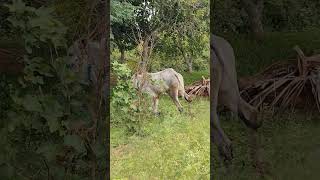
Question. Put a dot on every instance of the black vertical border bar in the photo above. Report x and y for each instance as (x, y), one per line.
(108, 32)
(212, 7)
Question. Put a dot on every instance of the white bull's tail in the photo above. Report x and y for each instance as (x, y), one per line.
(181, 89)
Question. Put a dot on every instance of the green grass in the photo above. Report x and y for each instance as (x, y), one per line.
(189, 78)
(290, 147)
(174, 145)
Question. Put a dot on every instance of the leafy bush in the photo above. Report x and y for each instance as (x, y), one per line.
(126, 106)
(279, 15)
(46, 134)
(123, 93)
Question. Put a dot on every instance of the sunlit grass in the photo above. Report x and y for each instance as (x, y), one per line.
(174, 145)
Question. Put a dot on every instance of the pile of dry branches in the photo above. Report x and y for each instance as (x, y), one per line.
(199, 88)
(285, 84)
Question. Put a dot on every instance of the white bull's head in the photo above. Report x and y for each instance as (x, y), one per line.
(136, 80)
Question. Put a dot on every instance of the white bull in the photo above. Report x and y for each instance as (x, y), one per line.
(165, 81)
(225, 91)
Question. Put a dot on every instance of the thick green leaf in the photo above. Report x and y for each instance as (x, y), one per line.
(14, 120)
(31, 103)
(48, 150)
(75, 141)
(6, 171)
(53, 123)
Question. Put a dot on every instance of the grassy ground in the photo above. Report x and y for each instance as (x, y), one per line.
(175, 146)
(291, 149)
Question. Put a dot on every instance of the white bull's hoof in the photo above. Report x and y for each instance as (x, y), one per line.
(226, 151)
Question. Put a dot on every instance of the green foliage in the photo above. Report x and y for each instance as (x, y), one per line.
(278, 15)
(36, 26)
(124, 101)
(76, 14)
(47, 105)
(4, 13)
(122, 19)
(291, 15)
(174, 25)
(121, 11)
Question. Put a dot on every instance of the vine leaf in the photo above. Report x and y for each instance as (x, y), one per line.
(48, 150)
(74, 141)
(31, 103)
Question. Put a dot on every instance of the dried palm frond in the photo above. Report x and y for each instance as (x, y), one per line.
(199, 88)
(285, 84)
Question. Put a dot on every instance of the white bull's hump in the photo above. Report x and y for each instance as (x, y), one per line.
(170, 77)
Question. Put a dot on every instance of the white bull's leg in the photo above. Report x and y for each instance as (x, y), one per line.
(155, 105)
(174, 94)
(219, 137)
(249, 114)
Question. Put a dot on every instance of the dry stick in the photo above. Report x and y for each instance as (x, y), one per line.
(286, 89)
(194, 90)
(301, 61)
(303, 84)
(266, 92)
(292, 90)
(287, 95)
(294, 93)
(276, 81)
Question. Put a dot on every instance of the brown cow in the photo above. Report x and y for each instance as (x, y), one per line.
(225, 92)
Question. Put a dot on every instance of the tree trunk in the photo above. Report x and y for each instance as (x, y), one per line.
(122, 56)
(187, 59)
(101, 90)
(147, 47)
(145, 55)
(189, 63)
(254, 11)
